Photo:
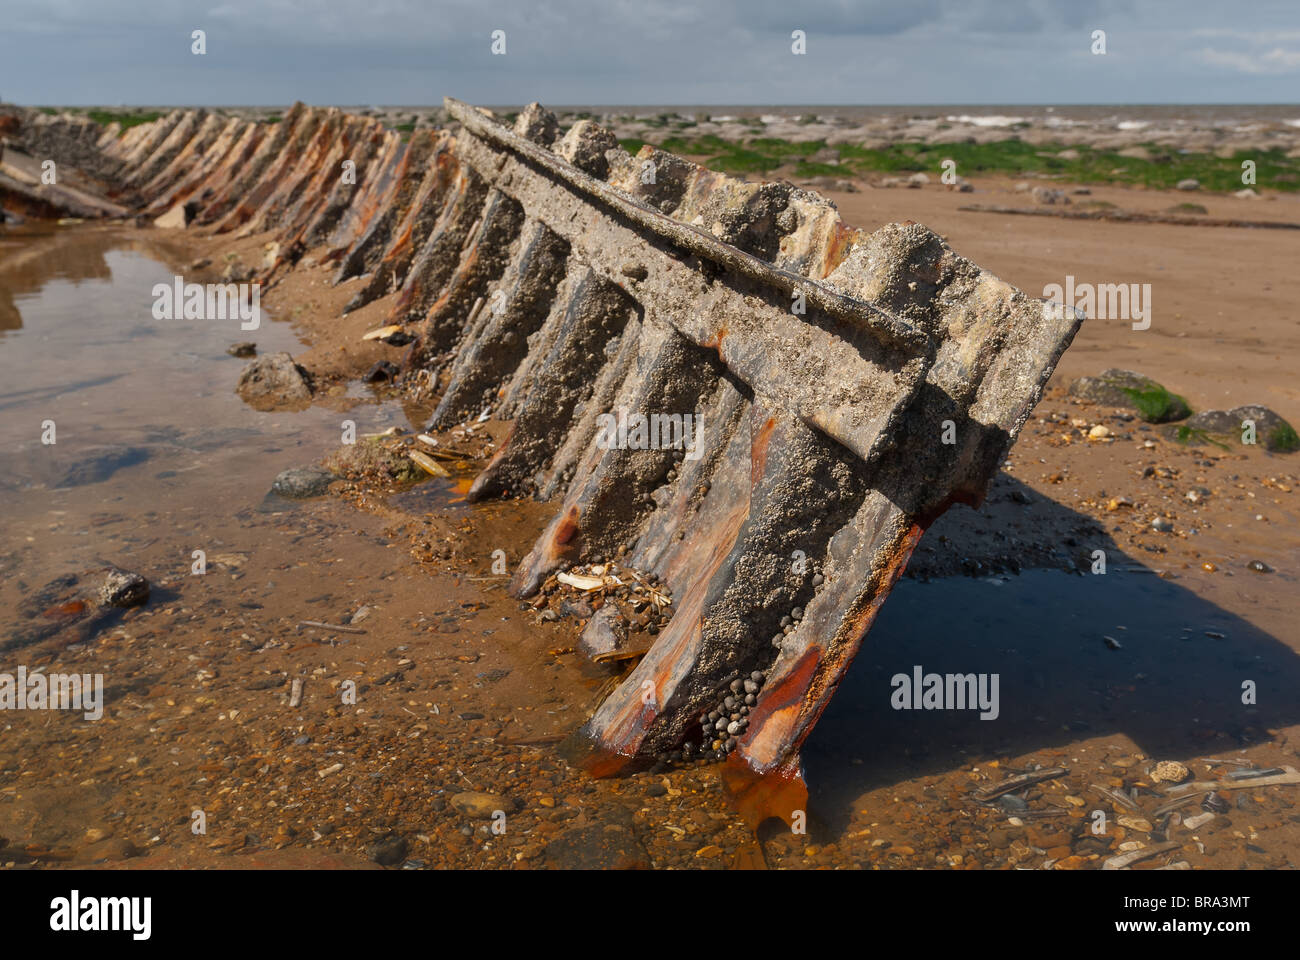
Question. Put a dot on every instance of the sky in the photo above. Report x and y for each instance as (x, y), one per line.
(393, 52)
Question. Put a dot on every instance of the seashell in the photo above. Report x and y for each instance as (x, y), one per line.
(580, 581)
(429, 465)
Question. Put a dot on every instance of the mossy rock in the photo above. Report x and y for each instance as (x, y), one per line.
(371, 459)
(1271, 431)
(1132, 391)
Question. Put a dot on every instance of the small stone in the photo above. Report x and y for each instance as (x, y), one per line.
(245, 348)
(96, 834)
(122, 588)
(389, 852)
(1098, 432)
(481, 806)
(274, 381)
(1162, 525)
(1188, 184)
(302, 483)
(382, 371)
(1135, 823)
(1259, 566)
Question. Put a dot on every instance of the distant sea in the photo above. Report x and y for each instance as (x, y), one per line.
(1199, 115)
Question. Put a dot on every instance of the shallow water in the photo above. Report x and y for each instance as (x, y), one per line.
(145, 418)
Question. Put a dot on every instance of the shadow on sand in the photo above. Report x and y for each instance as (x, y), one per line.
(1174, 685)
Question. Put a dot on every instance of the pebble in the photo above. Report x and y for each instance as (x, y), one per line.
(122, 588)
(389, 852)
(480, 806)
(1259, 566)
(1162, 525)
(301, 483)
(1135, 823)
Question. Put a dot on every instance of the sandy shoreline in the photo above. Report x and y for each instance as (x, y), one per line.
(467, 691)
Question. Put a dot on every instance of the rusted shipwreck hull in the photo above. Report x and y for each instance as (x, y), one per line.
(849, 386)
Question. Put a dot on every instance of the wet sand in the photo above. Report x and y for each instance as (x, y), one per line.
(462, 691)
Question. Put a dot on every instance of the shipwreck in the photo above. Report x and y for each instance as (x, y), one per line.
(848, 386)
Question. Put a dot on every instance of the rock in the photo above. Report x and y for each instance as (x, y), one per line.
(1082, 192)
(173, 219)
(1162, 525)
(122, 588)
(537, 124)
(236, 272)
(1271, 431)
(578, 609)
(1049, 195)
(832, 183)
(1135, 823)
(1246, 194)
(481, 806)
(585, 145)
(1169, 771)
(606, 633)
(389, 852)
(920, 179)
(96, 834)
(245, 348)
(1259, 566)
(1098, 433)
(1135, 153)
(274, 381)
(1188, 184)
(302, 483)
(825, 155)
(382, 372)
(1132, 391)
